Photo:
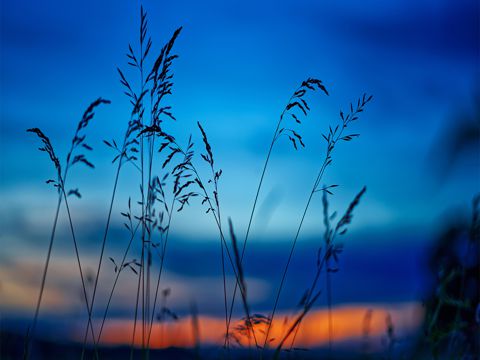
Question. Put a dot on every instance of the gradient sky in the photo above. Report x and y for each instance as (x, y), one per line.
(239, 63)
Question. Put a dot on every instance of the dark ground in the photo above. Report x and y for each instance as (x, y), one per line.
(12, 345)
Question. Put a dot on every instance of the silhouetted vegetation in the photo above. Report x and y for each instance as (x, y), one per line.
(170, 177)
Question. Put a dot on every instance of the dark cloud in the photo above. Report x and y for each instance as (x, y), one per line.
(22, 31)
(450, 30)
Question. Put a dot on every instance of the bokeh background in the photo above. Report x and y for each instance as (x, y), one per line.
(418, 153)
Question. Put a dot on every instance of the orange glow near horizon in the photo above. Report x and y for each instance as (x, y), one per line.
(348, 324)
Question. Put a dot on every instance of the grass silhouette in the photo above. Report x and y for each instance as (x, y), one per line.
(169, 179)
(73, 157)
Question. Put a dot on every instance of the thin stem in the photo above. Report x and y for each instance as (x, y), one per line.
(223, 273)
(274, 139)
(142, 262)
(143, 244)
(164, 249)
(309, 302)
(222, 238)
(295, 325)
(215, 179)
(105, 234)
(115, 282)
(141, 279)
(284, 275)
(75, 244)
(44, 277)
(151, 141)
(276, 136)
(219, 226)
(136, 309)
(225, 294)
(314, 189)
(330, 147)
(325, 260)
(223, 260)
(217, 222)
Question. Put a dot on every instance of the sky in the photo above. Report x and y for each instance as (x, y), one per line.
(239, 63)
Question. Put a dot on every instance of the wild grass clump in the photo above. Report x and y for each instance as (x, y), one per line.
(169, 179)
(452, 310)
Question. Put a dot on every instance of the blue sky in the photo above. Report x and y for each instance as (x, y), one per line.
(239, 63)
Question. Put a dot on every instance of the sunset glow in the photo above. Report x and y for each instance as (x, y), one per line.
(349, 325)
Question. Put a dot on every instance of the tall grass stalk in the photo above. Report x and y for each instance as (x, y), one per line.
(101, 258)
(296, 102)
(215, 211)
(139, 101)
(165, 231)
(160, 77)
(77, 254)
(132, 344)
(332, 249)
(141, 277)
(334, 135)
(146, 161)
(242, 285)
(77, 141)
(31, 331)
(157, 84)
(160, 271)
(183, 170)
(295, 324)
(331, 252)
(121, 157)
(124, 154)
(118, 270)
(142, 191)
(212, 201)
(188, 166)
(215, 177)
